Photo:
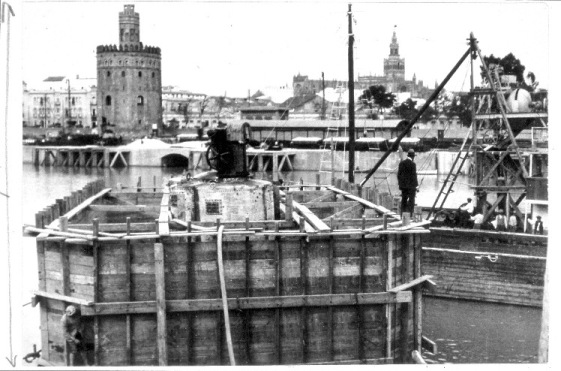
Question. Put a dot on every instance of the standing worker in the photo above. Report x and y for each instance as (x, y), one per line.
(73, 331)
(407, 181)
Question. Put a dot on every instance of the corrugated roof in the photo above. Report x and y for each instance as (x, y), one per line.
(298, 101)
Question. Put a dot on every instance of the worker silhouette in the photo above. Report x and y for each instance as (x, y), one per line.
(407, 181)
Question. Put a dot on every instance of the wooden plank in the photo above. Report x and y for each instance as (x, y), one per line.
(366, 203)
(349, 212)
(95, 253)
(264, 302)
(329, 204)
(82, 206)
(159, 272)
(389, 283)
(163, 220)
(411, 284)
(118, 208)
(307, 227)
(116, 227)
(64, 298)
(310, 217)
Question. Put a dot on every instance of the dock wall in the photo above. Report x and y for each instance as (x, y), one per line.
(489, 277)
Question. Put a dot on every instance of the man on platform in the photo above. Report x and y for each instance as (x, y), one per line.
(407, 181)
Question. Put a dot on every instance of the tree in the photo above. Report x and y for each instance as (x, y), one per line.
(510, 66)
(407, 110)
(461, 107)
(377, 95)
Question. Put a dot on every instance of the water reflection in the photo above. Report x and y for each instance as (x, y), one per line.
(473, 332)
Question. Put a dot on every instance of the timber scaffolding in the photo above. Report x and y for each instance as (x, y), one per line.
(84, 156)
(333, 279)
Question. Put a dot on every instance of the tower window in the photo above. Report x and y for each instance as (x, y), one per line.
(140, 100)
(123, 73)
(108, 73)
(139, 73)
(108, 100)
(153, 74)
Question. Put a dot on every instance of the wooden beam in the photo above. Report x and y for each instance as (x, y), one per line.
(308, 228)
(349, 211)
(163, 219)
(265, 302)
(429, 345)
(159, 272)
(320, 205)
(118, 208)
(65, 298)
(411, 284)
(380, 209)
(310, 217)
(116, 227)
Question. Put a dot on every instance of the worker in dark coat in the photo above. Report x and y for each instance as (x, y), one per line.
(73, 331)
(407, 181)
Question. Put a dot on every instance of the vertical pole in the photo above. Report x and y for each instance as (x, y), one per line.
(97, 340)
(323, 94)
(159, 272)
(332, 163)
(128, 345)
(351, 88)
(275, 167)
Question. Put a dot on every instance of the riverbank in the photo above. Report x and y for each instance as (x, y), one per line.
(147, 154)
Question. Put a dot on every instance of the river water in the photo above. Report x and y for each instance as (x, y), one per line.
(465, 332)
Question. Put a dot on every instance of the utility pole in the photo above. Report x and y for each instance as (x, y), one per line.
(351, 101)
(323, 100)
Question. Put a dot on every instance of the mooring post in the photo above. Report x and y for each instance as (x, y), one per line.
(318, 181)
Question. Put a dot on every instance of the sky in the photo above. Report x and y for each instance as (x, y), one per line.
(235, 47)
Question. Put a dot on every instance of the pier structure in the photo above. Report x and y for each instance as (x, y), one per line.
(87, 156)
(333, 278)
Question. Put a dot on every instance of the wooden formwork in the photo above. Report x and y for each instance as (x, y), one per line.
(149, 293)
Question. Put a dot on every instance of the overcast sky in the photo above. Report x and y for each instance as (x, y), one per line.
(234, 46)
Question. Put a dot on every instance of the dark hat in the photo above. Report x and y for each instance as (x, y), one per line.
(539, 217)
(469, 199)
(411, 152)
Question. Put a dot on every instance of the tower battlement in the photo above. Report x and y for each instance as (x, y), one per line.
(128, 48)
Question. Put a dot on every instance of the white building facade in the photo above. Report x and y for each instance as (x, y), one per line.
(59, 101)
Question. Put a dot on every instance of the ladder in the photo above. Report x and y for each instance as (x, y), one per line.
(338, 108)
(453, 174)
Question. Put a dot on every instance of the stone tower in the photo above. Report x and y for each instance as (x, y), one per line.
(394, 66)
(129, 81)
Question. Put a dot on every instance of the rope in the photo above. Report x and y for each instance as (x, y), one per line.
(5, 6)
(224, 296)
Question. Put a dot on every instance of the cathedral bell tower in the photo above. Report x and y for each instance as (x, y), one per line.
(394, 66)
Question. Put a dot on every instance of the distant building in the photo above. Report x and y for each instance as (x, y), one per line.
(393, 78)
(264, 113)
(305, 107)
(302, 85)
(180, 106)
(129, 80)
(60, 101)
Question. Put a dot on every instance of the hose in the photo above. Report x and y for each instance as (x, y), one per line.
(224, 296)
